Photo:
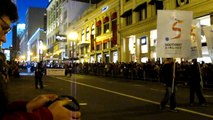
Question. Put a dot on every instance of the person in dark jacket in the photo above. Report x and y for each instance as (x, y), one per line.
(26, 110)
(195, 84)
(38, 76)
(168, 76)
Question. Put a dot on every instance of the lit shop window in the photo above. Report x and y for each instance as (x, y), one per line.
(144, 44)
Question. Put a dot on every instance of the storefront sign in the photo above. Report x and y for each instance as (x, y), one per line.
(61, 38)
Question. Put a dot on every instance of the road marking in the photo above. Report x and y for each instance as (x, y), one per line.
(138, 85)
(134, 97)
(158, 90)
(208, 96)
(82, 104)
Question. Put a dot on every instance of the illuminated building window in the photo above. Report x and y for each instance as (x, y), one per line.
(98, 28)
(87, 33)
(93, 29)
(106, 24)
(144, 44)
(82, 36)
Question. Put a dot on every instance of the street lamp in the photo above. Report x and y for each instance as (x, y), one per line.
(42, 48)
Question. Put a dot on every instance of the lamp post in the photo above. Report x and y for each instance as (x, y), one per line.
(42, 48)
(72, 36)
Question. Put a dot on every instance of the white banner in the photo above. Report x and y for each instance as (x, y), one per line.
(208, 31)
(173, 31)
(55, 72)
(196, 49)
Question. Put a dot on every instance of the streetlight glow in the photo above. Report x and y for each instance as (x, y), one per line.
(72, 36)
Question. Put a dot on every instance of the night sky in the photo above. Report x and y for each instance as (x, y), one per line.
(22, 8)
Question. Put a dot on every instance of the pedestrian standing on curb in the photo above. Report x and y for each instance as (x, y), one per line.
(27, 110)
(39, 76)
(168, 76)
(195, 84)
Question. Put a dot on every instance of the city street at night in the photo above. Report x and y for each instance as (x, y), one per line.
(120, 59)
(105, 98)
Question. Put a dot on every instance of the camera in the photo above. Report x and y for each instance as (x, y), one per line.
(73, 105)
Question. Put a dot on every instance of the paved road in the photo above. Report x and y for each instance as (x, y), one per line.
(114, 99)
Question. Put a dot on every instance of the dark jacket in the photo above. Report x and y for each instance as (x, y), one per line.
(38, 71)
(167, 74)
(195, 77)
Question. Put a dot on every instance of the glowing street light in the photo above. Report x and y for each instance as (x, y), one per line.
(72, 36)
(42, 48)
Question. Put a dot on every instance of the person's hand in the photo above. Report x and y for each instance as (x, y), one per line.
(59, 112)
(40, 101)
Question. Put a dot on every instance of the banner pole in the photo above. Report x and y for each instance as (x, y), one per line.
(200, 72)
(173, 77)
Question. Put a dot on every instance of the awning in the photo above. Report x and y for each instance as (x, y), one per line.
(141, 6)
(127, 13)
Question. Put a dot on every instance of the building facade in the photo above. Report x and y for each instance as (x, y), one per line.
(139, 23)
(33, 22)
(115, 31)
(36, 47)
(60, 15)
(97, 31)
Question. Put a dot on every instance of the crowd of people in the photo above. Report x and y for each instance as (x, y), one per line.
(169, 72)
(150, 71)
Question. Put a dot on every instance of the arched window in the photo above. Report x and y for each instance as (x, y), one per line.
(93, 29)
(98, 28)
(106, 25)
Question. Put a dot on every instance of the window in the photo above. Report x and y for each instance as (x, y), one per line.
(142, 14)
(114, 33)
(141, 11)
(105, 45)
(87, 34)
(93, 29)
(98, 47)
(129, 20)
(114, 23)
(128, 16)
(87, 49)
(82, 36)
(158, 5)
(82, 50)
(144, 44)
(106, 25)
(98, 28)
